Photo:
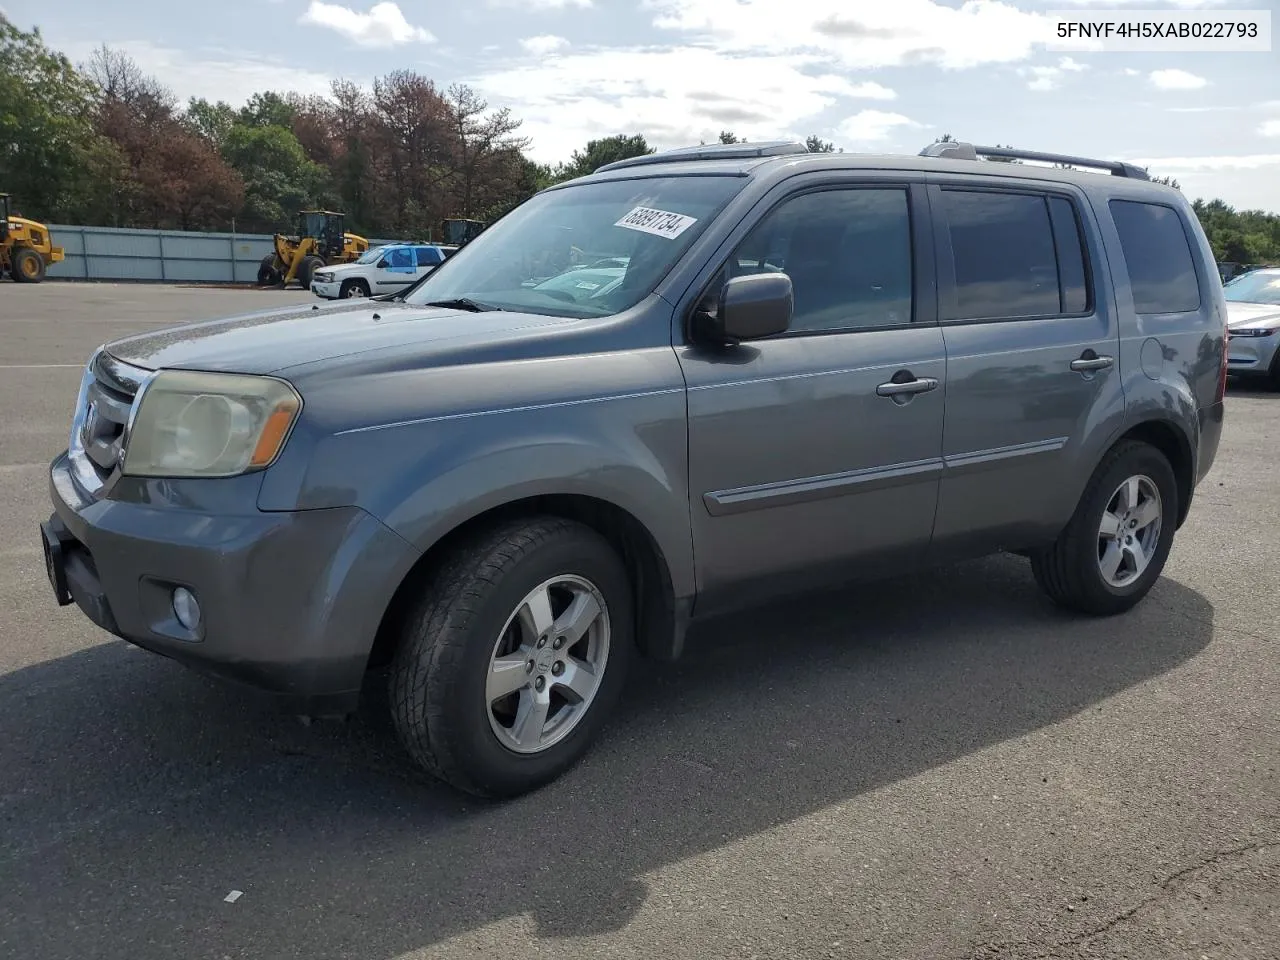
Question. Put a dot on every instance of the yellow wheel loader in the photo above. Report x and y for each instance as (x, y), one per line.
(26, 250)
(320, 241)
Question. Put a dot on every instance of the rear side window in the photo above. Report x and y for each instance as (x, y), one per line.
(1015, 255)
(1162, 271)
(428, 257)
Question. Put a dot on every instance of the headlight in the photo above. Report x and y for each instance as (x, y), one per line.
(1252, 332)
(322, 277)
(192, 424)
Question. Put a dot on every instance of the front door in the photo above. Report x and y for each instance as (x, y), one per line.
(401, 270)
(1033, 394)
(815, 455)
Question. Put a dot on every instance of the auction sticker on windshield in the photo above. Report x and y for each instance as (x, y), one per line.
(660, 223)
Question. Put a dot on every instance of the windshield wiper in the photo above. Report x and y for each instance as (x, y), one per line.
(463, 303)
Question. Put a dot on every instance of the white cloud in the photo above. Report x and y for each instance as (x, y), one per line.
(738, 65)
(871, 126)
(1115, 4)
(383, 26)
(544, 44)
(1050, 78)
(1176, 165)
(1130, 72)
(537, 5)
(1173, 79)
(1269, 128)
(864, 34)
(211, 74)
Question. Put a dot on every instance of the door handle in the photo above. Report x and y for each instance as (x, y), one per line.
(1090, 361)
(892, 389)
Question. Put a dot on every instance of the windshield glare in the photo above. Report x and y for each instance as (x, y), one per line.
(589, 250)
(371, 255)
(1261, 286)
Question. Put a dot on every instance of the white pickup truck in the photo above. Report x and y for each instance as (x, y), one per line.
(386, 269)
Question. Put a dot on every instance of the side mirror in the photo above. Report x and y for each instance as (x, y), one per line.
(384, 263)
(750, 308)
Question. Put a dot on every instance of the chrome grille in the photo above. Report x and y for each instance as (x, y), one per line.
(100, 427)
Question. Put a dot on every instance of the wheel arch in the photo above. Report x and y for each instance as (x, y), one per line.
(1172, 441)
(660, 616)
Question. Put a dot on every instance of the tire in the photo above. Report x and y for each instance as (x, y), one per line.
(267, 272)
(468, 615)
(27, 266)
(354, 288)
(310, 264)
(1070, 570)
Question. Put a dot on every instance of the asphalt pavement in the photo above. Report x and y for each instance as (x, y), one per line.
(935, 767)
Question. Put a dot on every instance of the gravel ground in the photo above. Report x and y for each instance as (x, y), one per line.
(935, 767)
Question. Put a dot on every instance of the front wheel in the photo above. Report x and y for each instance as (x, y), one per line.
(514, 657)
(353, 289)
(1115, 546)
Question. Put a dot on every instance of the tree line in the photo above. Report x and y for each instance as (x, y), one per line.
(104, 144)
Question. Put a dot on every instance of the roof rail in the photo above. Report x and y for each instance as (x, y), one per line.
(712, 151)
(959, 150)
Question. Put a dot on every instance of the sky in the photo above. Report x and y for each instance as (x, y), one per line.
(880, 76)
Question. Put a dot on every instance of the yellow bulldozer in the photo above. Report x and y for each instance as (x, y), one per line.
(26, 250)
(320, 241)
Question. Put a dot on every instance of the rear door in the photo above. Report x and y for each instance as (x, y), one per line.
(428, 258)
(815, 455)
(1032, 345)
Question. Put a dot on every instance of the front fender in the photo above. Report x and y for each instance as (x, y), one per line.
(425, 478)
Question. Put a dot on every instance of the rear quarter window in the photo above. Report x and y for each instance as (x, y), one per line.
(1157, 252)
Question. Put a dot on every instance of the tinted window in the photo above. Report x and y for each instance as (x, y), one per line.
(400, 257)
(428, 256)
(1003, 246)
(1161, 269)
(848, 253)
(1071, 257)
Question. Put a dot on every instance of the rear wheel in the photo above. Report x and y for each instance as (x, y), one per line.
(307, 268)
(514, 656)
(28, 265)
(354, 288)
(1116, 544)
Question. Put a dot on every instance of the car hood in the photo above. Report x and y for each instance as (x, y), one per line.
(338, 269)
(274, 340)
(1251, 314)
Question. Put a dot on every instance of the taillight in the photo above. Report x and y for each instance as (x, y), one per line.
(1222, 374)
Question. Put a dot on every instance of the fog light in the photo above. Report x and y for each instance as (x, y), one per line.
(186, 609)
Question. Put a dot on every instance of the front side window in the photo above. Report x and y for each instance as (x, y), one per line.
(847, 252)
(644, 224)
(1162, 272)
(400, 257)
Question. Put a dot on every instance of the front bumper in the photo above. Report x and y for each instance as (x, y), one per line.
(290, 602)
(1252, 355)
(329, 291)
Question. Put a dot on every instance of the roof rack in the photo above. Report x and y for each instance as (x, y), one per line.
(959, 150)
(712, 151)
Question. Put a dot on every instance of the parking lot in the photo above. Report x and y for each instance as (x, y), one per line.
(936, 767)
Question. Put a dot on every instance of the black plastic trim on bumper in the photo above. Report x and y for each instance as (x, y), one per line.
(73, 576)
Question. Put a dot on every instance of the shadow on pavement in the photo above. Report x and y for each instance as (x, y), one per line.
(136, 795)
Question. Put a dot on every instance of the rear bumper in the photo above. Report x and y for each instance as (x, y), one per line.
(290, 603)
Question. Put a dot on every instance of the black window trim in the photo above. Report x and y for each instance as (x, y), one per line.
(923, 276)
(947, 286)
(1196, 266)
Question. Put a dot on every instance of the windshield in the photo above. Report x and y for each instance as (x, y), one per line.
(371, 255)
(1261, 286)
(590, 250)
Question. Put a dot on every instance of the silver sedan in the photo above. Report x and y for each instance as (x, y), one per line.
(1253, 318)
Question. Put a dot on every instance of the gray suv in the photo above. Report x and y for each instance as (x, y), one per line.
(499, 492)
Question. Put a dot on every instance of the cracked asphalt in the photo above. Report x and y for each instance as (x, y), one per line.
(935, 767)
